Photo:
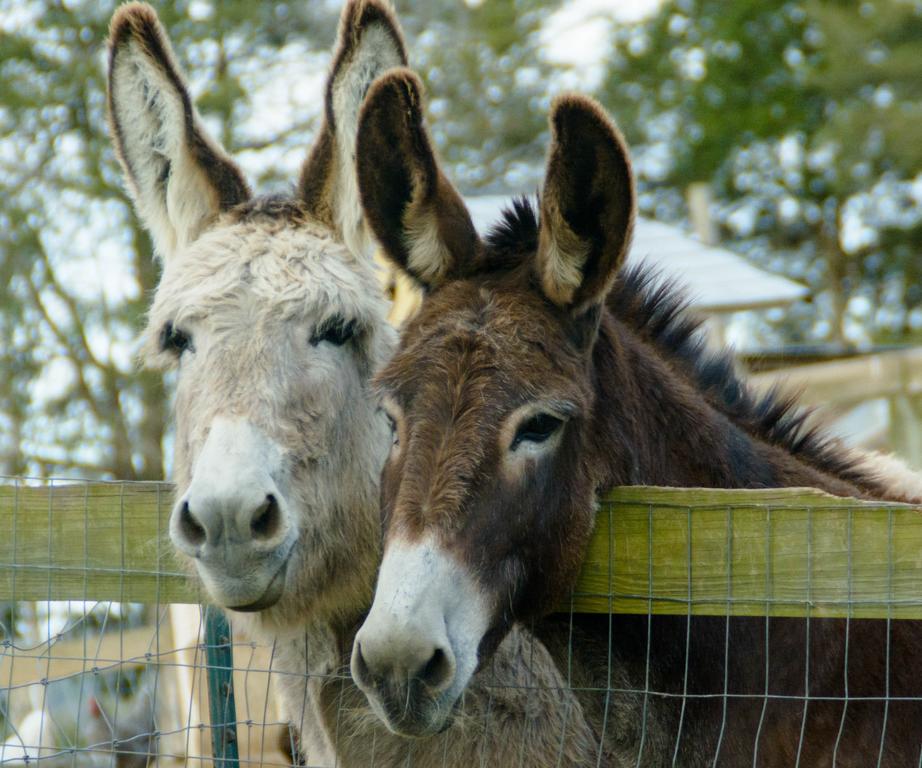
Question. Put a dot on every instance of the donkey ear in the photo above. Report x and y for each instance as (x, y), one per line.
(179, 178)
(587, 205)
(369, 42)
(416, 214)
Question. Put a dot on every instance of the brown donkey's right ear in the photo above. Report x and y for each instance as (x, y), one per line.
(587, 205)
(416, 214)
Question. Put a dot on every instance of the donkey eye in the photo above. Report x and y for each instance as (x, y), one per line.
(337, 330)
(173, 339)
(536, 430)
(395, 435)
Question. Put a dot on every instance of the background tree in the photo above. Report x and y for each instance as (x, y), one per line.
(804, 118)
(487, 83)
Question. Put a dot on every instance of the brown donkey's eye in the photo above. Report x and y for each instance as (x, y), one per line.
(536, 430)
(395, 435)
(172, 339)
(337, 331)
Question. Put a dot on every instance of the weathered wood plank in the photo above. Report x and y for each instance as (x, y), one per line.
(89, 541)
(670, 551)
(787, 552)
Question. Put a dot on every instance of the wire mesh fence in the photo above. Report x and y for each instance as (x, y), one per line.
(790, 616)
(108, 659)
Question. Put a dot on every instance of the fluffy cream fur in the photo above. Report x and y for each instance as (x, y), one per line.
(901, 479)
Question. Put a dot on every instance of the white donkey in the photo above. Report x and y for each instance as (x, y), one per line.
(272, 314)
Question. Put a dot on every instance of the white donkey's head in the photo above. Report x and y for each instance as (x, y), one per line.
(273, 315)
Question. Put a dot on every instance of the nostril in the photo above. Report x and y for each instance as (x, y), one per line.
(438, 671)
(192, 529)
(267, 519)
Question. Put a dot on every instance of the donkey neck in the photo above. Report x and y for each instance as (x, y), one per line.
(339, 728)
(666, 432)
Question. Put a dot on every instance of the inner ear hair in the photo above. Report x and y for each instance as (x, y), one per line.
(587, 205)
(164, 151)
(369, 42)
(420, 220)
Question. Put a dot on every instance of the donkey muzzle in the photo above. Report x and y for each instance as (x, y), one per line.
(233, 521)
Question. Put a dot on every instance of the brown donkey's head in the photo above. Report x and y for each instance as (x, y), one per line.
(487, 495)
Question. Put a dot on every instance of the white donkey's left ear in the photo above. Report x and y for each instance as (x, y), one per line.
(178, 176)
(369, 42)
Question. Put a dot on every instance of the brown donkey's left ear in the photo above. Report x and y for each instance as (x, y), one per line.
(587, 205)
(417, 216)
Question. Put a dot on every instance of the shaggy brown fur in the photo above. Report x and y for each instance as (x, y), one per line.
(540, 314)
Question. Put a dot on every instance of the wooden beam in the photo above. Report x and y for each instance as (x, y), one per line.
(787, 552)
(844, 382)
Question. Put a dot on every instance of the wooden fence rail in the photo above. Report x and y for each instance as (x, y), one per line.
(789, 552)
(89, 541)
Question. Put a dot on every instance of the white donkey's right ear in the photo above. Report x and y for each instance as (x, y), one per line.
(179, 178)
(369, 42)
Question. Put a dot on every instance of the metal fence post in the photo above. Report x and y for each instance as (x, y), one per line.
(219, 660)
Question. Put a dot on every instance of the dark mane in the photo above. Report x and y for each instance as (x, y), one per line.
(515, 234)
(658, 311)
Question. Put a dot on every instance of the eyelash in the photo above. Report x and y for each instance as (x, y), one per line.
(336, 331)
(538, 429)
(395, 435)
(173, 339)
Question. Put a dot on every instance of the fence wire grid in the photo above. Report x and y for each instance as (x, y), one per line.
(108, 659)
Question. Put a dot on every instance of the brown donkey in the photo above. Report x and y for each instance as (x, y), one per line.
(535, 376)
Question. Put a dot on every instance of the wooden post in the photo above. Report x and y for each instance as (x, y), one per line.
(906, 429)
(219, 654)
(699, 200)
(188, 738)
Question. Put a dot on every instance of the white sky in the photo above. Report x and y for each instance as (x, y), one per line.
(579, 34)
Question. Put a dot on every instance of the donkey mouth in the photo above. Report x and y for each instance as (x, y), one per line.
(268, 598)
(410, 713)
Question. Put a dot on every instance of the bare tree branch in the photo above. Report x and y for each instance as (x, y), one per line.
(302, 127)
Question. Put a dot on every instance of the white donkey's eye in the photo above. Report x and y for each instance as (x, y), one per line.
(337, 331)
(173, 339)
